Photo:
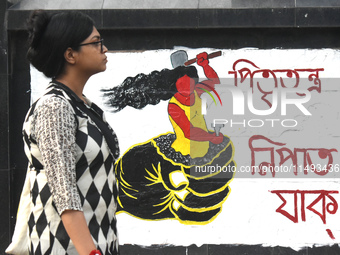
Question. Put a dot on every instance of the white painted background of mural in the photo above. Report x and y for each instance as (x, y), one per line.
(248, 215)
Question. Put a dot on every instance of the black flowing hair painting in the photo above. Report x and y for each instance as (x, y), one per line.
(143, 90)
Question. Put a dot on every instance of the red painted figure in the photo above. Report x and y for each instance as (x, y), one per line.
(192, 136)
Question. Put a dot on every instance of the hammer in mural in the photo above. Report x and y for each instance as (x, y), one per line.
(184, 174)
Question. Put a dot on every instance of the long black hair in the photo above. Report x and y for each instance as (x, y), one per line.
(50, 34)
(142, 90)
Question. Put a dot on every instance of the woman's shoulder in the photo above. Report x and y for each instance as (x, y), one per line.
(53, 101)
(53, 96)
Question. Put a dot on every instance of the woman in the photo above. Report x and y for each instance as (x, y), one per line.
(70, 147)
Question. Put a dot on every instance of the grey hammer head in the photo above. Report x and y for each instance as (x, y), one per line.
(217, 128)
(178, 58)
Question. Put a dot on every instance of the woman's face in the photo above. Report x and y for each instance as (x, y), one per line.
(91, 55)
(185, 85)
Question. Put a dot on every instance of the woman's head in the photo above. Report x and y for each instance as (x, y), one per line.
(189, 71)
(51, 34)
(187, 80)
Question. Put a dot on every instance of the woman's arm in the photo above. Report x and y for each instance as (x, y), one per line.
(191, 132)
(76, 227)
(55, 130)
(213, 79)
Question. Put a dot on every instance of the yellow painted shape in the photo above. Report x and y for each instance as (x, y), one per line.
(194, 114)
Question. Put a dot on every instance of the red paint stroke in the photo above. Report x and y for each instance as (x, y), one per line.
(241, 72)
(330, 207)
(286, 154)
(213, 90)
(329, 232)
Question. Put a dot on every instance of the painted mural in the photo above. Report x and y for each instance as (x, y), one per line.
(156, 179)
(224, 146)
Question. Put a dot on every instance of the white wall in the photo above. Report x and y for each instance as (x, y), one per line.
(249, 214)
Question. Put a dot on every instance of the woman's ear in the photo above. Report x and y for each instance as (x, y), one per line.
(70, 56)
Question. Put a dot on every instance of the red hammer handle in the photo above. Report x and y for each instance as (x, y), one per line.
(211, 55)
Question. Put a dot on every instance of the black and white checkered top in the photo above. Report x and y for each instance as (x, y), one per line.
(70, 168)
